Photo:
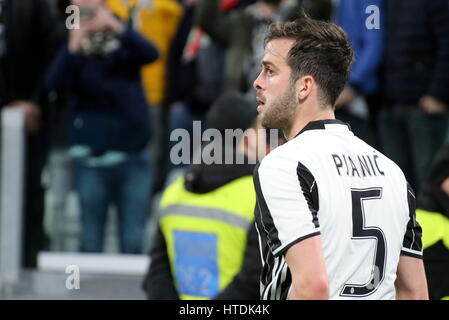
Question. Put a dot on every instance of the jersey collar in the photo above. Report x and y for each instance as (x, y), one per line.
(321, 124)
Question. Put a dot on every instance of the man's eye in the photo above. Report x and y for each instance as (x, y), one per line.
(270, 72)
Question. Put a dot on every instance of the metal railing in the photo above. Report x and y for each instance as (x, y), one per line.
(11, 183)
(14, 280)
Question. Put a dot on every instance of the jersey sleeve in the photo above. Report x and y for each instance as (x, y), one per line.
(287, 203)
(412, 244)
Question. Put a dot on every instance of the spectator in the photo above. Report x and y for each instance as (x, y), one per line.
(206, 246)
(358, 103)
(433, 216)
(157, 20)
(58, 102)
(242, 33)
(61, 8)
(196, 61)
(413, 126)
(110, 124)
(215, 56)
(195, 70)
(27, 43)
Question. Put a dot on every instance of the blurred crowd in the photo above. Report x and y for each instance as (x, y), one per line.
(108, 94)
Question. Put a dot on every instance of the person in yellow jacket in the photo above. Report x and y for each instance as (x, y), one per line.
(206, 246)
(433, 216)
(158, 21)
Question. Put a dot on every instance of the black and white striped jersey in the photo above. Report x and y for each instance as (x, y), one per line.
(328, 182)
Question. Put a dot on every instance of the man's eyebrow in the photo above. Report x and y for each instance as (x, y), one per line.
(267, 64)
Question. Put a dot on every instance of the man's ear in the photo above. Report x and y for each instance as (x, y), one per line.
(304, 86)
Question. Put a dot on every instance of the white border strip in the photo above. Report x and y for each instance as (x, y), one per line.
(95, 263)
(12, 173)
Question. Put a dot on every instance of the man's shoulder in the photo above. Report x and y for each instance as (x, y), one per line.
(313, 141)
(286, 157)
(380, 161)
(392, 165)
(279, 154)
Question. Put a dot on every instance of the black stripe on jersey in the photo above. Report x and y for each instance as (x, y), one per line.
(281, 277)
(406, 253)
(280, 281)
(321, 124)
(271, 289)
(413, 235)
(276, 277)
(285, 286)
(263, 218)
(266, 257)
(309, 189)
(291, 244)
(265, 276)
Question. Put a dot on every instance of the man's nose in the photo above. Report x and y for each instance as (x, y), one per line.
(257, 84)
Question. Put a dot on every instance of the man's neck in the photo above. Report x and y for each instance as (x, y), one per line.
(302, 120)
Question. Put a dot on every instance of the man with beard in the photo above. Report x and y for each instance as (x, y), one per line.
(336, 218)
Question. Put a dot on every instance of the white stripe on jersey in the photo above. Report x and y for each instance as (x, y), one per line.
(412, 251)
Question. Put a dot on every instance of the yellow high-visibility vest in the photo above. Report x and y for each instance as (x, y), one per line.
(206, 235)
(435, 227)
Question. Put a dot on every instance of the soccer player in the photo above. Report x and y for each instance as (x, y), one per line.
(335, 217)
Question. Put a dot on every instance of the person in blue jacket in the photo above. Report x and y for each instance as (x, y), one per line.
(358, 104)
(109, 127)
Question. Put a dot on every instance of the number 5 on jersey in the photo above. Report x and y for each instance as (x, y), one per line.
(360, 232)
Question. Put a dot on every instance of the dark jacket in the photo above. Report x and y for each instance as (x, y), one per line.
(158, 283)
(234, 31)
(30, 37)
(196, 82)
(417, 50)
(368, 44)
(433, 198)
(109, 110)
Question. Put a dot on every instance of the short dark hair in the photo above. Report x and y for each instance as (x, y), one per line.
(321, 49)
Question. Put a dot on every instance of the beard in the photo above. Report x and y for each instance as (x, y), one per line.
(279, 114)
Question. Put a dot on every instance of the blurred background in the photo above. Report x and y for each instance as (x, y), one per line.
(90, 94)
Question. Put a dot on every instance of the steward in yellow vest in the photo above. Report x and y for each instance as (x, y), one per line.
(433, 216)
(206, 246)
(206, 225)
